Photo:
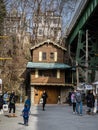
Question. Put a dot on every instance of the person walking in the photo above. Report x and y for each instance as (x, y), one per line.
(25, 114)
(69, 98)
(12, 101)
(73, 100)
(90, 101)
(79, 105)
(44, 97)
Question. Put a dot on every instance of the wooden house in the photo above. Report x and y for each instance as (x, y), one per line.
(48, 72)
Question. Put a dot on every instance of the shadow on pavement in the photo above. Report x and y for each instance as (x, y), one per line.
(21, 123)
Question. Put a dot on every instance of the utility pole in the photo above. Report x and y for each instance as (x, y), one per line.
(86, 60)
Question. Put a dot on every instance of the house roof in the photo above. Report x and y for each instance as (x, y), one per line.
(34, 65)
(49, 42)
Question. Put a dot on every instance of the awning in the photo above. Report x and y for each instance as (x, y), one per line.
(34, 65)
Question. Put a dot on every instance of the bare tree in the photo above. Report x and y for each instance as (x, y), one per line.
(19, 29)
(29, 8)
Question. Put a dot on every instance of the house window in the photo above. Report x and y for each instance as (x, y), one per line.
(40, 19)
(52, 56)
(55, 32)
(54, 73)
(40, 31)
(41, 73)
(46, 21)
(45, 73)
(55, 21)
(43, 55)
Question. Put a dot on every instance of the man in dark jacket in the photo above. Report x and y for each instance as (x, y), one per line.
(90, 101)
(44, 97)
(12, 101)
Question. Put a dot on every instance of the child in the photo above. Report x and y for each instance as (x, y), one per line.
(25, 114)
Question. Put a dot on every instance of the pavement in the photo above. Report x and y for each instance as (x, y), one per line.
(55, 117)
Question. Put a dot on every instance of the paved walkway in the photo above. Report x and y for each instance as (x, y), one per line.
(56, 117)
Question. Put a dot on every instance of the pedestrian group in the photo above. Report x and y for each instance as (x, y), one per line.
(7, 103)
(77, 103)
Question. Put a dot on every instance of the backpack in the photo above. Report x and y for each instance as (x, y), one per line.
(78, 97)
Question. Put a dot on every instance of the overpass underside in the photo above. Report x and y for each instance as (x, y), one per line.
(83, 41)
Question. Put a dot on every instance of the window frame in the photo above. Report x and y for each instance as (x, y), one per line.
(52, 74)
(44, 55)
(52, 55)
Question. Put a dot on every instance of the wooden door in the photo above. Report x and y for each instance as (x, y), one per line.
(53, 93)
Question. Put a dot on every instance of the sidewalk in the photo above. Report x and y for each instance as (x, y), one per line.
(55, 117)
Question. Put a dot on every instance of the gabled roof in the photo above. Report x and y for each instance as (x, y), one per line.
(49, 42)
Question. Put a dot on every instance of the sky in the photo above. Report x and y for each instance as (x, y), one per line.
(68, 13)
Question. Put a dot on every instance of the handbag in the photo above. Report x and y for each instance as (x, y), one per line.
(41, 101)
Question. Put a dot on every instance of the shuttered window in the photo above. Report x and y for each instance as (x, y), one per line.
(58, 74)
(40, 56)
(55, 56)
(36, 73)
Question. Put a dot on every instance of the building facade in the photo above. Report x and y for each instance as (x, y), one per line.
(48, 72)
(46, 26)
